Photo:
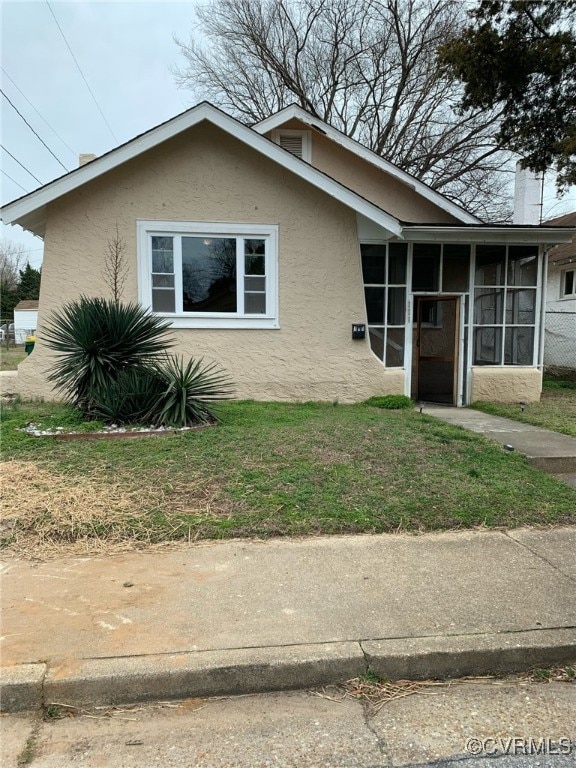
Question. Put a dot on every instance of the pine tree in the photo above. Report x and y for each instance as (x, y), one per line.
(29, 285)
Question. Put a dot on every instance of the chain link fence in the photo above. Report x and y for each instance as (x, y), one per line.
(560, 340)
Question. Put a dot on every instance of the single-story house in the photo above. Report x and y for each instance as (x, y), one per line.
(25, 319)
(560, 317)
(305, 264)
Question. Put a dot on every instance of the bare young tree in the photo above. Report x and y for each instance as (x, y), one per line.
(367, 67)
(115, 270)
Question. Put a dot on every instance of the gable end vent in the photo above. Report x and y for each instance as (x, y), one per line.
(293, 144)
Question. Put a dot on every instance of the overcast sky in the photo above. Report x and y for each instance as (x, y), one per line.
(125, 50)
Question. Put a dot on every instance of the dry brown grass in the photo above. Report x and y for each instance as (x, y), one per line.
(45, 513)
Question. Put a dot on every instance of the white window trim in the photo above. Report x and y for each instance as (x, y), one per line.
(199, 228)
(563, 282)
(306, 140)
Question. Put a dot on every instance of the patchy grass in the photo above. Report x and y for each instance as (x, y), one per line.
(270, 469)
(11, 357)
(556, 409)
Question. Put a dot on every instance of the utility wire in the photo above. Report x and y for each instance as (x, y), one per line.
(14, 182)
(33, 131)
(81, 73)
(38, 113)
(20, 164)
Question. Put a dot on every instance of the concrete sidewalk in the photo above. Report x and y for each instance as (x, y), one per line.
(550, 451)
(243, 616)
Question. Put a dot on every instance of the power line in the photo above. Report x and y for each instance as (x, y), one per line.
(14, 182)
(33, 131)
(81, 73)
(20, 164)
(38, 113)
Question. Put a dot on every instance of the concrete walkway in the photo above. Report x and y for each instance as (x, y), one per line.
(550, 451)
(240, 616)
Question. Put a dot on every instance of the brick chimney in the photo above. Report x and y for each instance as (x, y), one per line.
(527, 196)
(83, 159)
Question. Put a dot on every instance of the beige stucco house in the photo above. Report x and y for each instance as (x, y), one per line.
(306, 265)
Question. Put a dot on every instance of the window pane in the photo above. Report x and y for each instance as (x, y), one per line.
(395, 348)
(254, 257)
(397, 259)
(522, 265)
(208, 274)
(377, 341)
(488, 306)
(456, 268)
(163, 301)
(254, 283)
(426, 267)
(374, 263)
(490, 260)
(519, 346)
(396, 306)
(569, 283)
(255, 303)
(521, 307)
(162, 254)
(487, 346)
(163, 281)
(375, 305)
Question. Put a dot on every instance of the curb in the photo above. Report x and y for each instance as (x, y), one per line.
(132, 679)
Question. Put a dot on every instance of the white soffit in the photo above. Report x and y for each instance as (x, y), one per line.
(31, 207)
(294, 112)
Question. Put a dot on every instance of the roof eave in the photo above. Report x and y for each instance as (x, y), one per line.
(29, 211)
(489, 234)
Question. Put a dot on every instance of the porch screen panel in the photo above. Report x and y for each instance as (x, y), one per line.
(505, 304)
(384, 269)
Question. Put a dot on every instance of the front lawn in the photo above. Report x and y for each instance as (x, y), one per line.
(270, 469)
(10, 358)
(556, 409)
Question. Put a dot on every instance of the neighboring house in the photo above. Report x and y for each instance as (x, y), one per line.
(271, 247)
(25, 319)
(560, 320)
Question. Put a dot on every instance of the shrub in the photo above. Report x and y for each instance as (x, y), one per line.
(390, 402)
(113, 366)
(97, 340)
(188, 391)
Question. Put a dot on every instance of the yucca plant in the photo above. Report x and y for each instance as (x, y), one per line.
(131, 398)
(96, 340)
(189, 391)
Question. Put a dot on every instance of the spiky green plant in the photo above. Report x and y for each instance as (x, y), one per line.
(96, 339)
(130, 398)
(189, 391)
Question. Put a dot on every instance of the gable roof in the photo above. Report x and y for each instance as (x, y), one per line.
(30, 210)
(295, 112)
(27, 304)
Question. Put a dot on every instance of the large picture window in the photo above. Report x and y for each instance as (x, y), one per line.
(505, 304)
(209, 275)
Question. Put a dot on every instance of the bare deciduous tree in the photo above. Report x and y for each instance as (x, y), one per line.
(11, 261)
(367, 67)
(115, 270)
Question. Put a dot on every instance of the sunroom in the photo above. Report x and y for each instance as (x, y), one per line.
(461, 317)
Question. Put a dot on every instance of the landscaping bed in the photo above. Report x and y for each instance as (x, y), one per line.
(556, 409)
(269, 469)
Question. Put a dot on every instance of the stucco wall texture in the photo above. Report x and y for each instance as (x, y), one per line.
(506, 385)
(206, 175)
(369, 181)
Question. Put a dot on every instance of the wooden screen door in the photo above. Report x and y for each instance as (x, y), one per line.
(437, 349)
